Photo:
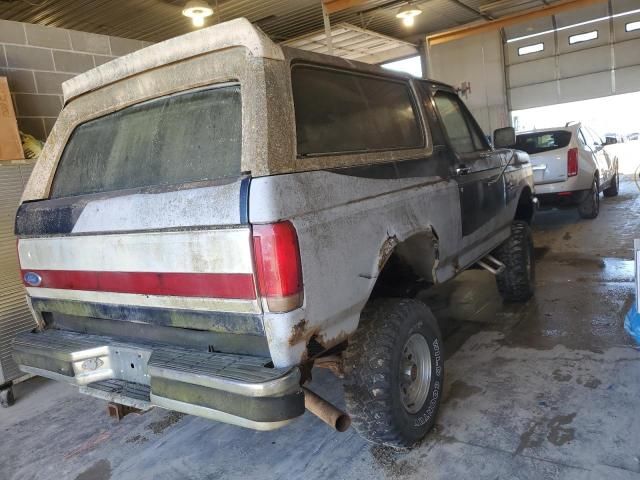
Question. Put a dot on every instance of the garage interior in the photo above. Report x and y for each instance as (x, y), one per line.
(543, 390)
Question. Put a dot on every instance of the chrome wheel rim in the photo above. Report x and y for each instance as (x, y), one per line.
(415, 373)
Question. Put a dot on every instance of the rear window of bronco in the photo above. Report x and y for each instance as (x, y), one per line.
(542, 141)
(180, 138)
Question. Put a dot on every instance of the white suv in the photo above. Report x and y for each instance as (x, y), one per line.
(571, 167)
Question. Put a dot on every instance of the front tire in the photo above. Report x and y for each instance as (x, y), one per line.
(590, 206)
(394, 372)
(517, 282)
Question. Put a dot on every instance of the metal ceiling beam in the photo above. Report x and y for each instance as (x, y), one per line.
(475, 28)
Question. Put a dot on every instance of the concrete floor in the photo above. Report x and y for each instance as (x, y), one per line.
(545, 390)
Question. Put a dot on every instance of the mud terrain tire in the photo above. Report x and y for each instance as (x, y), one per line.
(517, 282)
(394, 372)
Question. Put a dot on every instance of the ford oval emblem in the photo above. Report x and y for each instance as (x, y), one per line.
(33, 279)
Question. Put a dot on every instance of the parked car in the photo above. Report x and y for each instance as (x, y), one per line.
(613, 138)
(571, 167)
(214, 215)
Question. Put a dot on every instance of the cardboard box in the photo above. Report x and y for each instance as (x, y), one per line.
(10, 144)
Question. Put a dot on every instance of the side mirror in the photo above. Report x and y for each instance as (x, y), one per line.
(520, 158)
(504, 137)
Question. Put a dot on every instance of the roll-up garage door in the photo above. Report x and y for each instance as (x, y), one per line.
(577, 55)
(14, 313)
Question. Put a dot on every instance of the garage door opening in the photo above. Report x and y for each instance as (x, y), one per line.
(617, 113)
(409, 65)
(608, 116)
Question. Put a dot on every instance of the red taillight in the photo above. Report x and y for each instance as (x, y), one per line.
(572, 162)
(278, 267)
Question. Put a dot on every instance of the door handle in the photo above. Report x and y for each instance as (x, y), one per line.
(463, 170)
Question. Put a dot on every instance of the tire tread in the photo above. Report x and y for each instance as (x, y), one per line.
(368, 368)
(514, 284)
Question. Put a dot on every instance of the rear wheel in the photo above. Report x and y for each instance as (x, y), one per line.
(394, 372)
(517, 282)
(614, 187)
(590, 206)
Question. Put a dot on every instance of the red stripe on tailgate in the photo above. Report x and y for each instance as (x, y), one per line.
(210, 285)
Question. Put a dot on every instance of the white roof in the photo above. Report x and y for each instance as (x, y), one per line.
(235, 33)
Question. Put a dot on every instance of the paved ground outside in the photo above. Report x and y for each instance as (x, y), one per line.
(546, 390)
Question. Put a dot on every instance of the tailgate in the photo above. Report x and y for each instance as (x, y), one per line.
(132, 250)
(548, 150)
(197, 270)
(549, 167)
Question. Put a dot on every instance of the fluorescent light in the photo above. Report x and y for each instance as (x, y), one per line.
(583, 37)
(536, 47)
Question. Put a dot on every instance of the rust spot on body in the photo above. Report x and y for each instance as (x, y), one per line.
(298, 332)
(386, 250)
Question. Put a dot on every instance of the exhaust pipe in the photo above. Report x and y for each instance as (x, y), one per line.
(326, 411)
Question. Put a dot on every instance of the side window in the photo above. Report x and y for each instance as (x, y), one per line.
(460, 129)
(583, 139)
(343, 112)
(586, 140)
(591, 140)
(596, 138)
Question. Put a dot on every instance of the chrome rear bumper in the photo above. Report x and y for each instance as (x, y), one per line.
(237, 389)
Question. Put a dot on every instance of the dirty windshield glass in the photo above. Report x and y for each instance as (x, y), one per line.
(170, 140)
(543, 141)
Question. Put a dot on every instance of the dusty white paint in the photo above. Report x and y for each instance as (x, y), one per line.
(206, 251)
(235, 33)
(167, 210)
(342, 224)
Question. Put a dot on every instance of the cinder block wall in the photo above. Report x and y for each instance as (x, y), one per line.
(37, 59)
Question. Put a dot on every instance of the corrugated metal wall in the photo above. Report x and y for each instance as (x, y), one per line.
(564, 72)
(14, 314)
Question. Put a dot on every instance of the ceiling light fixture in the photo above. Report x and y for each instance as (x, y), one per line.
(197, 11)
(408, 13)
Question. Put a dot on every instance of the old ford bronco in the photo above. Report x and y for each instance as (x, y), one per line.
(214, 215)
